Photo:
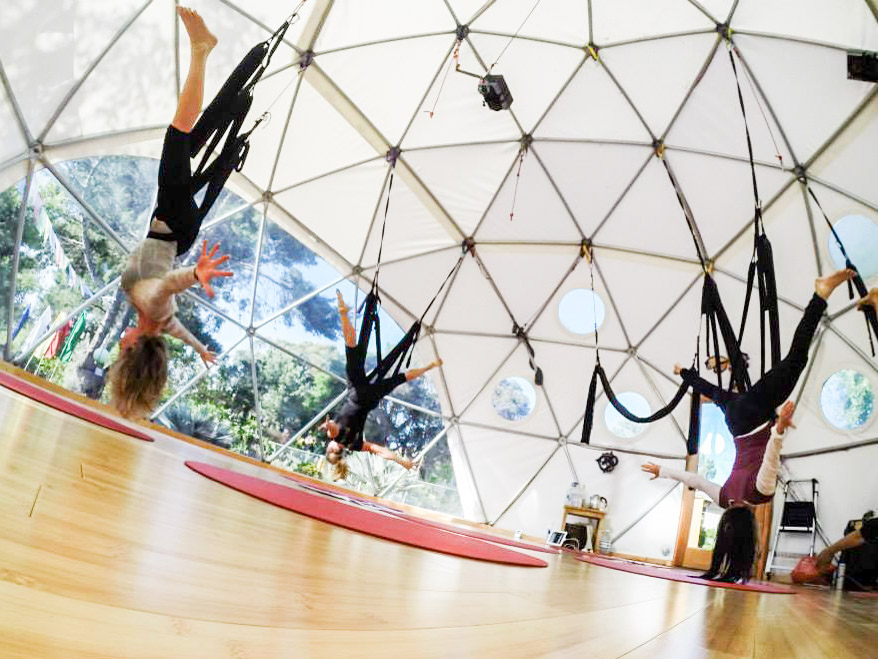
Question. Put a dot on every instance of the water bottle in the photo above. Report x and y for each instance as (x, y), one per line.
(839, 576)
(574, 496)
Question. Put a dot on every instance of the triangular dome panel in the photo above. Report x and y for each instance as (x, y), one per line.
(548, 325)
(327, 214)
(711, 119)
(656, 89)
(400, 70)
(44, 61)
(636, 19)
(625, 275)
(525, 291)
(530, 198)
(479, 171)
(649, 217)
(591, 107)
(502, 464)
(808, 119)
(410, 229)
(318, 140)
(564, 21)
(723, 204)
(469, 364)
(812, 20)
(540, 420)
(592, 177)
(132, 86)
(470, 304)
(350, 22)
(842, 163)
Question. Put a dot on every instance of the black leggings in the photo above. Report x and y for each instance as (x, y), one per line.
(749, 410)
(175, 205)
(178, 186)
(356, 371)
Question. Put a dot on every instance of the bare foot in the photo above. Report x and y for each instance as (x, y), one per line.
(871, 299)
(824, 286)
(200, 38)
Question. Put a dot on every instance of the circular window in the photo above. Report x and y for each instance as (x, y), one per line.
(581, 311)
(847, 399)
(618, 424)
(514, 398)
(859, 235)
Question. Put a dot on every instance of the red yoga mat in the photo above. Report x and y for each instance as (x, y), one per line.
(471, 533)
(362, 520)
(68, 406)
(675, 575)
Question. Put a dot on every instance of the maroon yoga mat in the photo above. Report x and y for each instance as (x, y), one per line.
(472, 533)
(363, 520)
(672, 574)
(68, 406)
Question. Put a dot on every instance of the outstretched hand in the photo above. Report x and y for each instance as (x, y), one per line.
(206, 268)
(651, 468)
(342, 307)
(678, 368)
(208, 358)
(785, 417)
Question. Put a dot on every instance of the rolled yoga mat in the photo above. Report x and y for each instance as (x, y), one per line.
(363, 520)
(68, 406)
(672, 574)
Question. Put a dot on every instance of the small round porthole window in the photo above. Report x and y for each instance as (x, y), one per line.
(514, 398)
(847, 399)
(859, 235)
(581, 311)
(618, 424)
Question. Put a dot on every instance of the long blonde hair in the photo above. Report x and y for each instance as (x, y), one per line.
(138, 377)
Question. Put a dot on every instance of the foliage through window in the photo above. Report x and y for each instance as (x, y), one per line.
(514, 398)
(290, 371)
(847, 399)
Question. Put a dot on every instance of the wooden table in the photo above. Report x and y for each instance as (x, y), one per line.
(591, 513)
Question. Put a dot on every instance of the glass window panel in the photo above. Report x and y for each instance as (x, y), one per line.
(581, 311)
(618, 424)
(289, 271)
(514, 398)
(120, 189)
(237, 237)
(847, 399)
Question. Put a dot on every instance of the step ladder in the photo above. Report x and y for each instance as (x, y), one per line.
(796, 517)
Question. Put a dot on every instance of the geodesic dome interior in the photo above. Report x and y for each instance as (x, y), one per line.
(599, 89)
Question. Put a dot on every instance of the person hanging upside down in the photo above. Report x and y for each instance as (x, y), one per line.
(345, 432)
(139, 374)
(758, 442)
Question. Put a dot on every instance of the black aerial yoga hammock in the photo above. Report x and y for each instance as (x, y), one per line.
(761, 268)
(716, 321)
(391, 364)
(402, 352)
(225, 116)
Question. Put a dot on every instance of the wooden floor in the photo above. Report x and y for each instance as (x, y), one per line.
(111, 547)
